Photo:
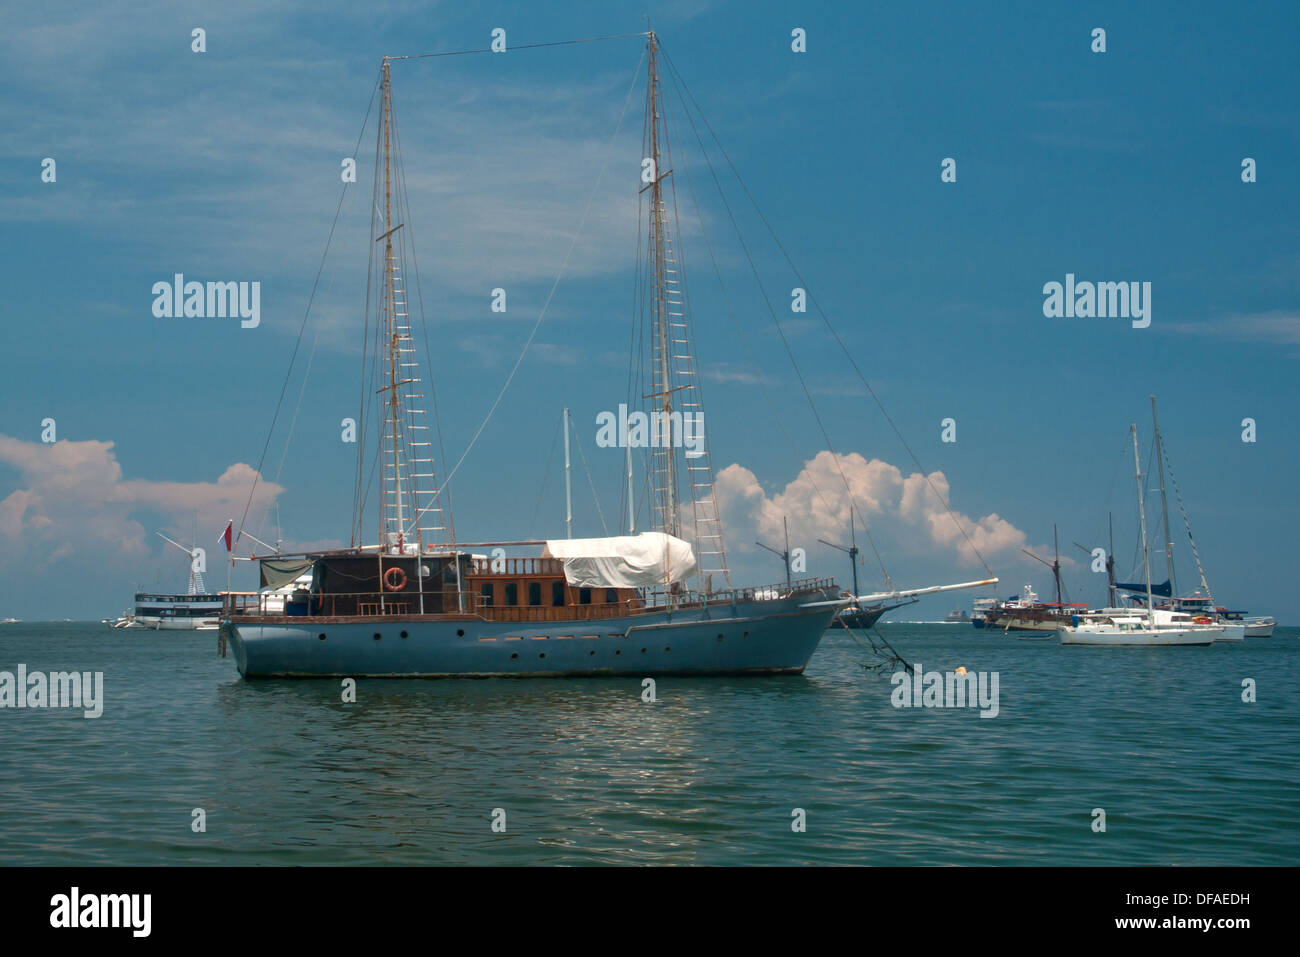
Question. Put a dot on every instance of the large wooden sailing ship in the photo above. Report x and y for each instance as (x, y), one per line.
(419, 603)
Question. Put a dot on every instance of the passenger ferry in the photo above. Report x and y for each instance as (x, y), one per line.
(196, 610)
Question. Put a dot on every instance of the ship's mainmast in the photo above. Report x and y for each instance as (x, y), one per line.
(664, 456)
(676, 394)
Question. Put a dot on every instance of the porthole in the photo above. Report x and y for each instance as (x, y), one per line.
(720, 635)
(321, 636)
(378, 636)
(460, 633)
(515, 656)
(643, 651)
(666, 648)
(591, 652)
(618, 651)
(542, 655)
(405, 635)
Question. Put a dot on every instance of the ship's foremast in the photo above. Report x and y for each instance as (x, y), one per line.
(410, 513)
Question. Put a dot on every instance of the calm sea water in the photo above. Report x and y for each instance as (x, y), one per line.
(586, 772)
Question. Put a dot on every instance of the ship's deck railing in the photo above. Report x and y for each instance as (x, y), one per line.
(340, 604)
(497, 612)
(388, 604)
(515, 567)
(688, 598)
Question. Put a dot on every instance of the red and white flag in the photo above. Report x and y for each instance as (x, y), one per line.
(225, 536)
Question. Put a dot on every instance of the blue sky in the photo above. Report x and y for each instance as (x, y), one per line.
(1115, 166)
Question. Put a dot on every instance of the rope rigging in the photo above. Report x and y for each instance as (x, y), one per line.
(690, 106)
(550, 295)
(754, 365)
(301, 329)
(825, 318)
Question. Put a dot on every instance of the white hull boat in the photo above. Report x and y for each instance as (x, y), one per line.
(1259, 627)
(1150, 627)
(1232, 631)
(1136, 632)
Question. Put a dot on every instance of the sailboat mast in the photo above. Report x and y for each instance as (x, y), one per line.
(398, 519)
(1142, 520)
(631, 503)
(675, 399)
(786, 527)
(853, 552)
(1164, 505)
(664, 447)
(1110, 562)
(568, 484)
(1056, 567)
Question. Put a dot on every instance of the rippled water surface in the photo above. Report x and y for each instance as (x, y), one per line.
(586, 772)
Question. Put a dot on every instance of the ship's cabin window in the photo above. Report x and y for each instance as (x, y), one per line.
(584, 596)
(534, 593)
(611, 596)
(557, 594)
(512, 593)
(487, 593)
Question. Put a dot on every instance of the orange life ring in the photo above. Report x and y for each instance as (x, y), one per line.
(394, 579)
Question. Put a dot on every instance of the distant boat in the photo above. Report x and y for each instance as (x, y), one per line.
(856, 617)
(1027, 613)
(1261, 627)
(196, 610)
(1144, 628)
(1200, 606)
(981, 610)
(957, 616)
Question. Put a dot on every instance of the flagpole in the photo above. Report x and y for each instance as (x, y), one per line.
(230, 552)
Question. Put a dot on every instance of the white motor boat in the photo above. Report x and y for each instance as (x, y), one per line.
(1232, 630)
(1261, 627)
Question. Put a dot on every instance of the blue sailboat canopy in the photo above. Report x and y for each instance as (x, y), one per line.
(1164, 591)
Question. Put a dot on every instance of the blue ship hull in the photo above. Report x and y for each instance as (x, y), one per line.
(761, 636)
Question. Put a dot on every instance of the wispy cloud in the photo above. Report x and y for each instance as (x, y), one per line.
(726, 372)
(498, 170)
(1280, 327)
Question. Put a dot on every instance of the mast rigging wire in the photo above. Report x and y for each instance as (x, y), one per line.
(754, 365)
(301, 328)
(521, 46)
(549, 296)
(825, 319)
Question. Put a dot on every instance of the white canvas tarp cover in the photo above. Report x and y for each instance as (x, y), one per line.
(625, 561)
